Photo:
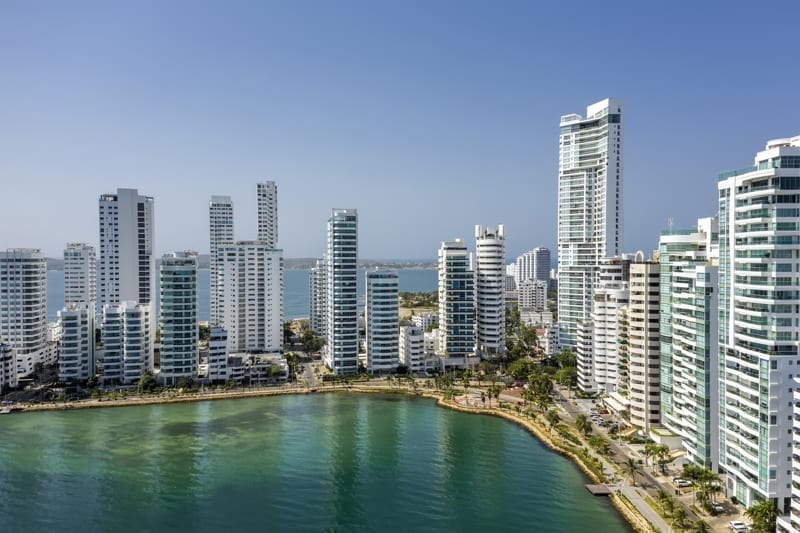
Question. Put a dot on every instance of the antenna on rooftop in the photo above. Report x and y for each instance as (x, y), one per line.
(670, 223)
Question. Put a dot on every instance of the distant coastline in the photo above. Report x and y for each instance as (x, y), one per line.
(303, 263)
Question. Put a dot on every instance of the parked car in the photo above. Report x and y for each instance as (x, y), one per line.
(681, 483)
(738, 526)
(718, 508)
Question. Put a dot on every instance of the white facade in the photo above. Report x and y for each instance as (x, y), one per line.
(382, 318)
(689, 297)
(644, 364)
(250, 288)
(127, 342)
(76, 357)
(589, 207)
(80, 274)
(425, 320)
(534, 264)
(126, 265)
(268, 213)
(317, 288)
(532, 294)
(178, 318)
(412, 348)
(456, 302)
(490, 308)
(551, 340)
(610, 294)
(341, 350)
(23, 307)
(220, 223)
(217, 365)
(758, 316)
(8, 371)
(791, 521)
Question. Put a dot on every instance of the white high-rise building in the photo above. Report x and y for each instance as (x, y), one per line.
(456, 304)
(644, 364)
(534, 264)
(758, 316)
(178, 318)
(220, 222)
(250, 287)
(23, 306)
(689, 339)
(341, 263)
(610, 294)
(490, 306)
(8, 371)
(790, 522)
(412, 348)
(76, 357)
(589, 207)
(382, 319)
(127, 240)
(127, 342)
(80, 274)
(317, 308)
(532, 294)
(268, 213)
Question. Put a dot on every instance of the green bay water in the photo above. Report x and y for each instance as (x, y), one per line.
(326, 462)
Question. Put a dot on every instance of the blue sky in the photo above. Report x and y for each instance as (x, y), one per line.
(428, 117)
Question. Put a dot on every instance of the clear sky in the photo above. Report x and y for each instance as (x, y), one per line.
(427, 116)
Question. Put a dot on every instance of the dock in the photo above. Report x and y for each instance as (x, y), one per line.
(598, 490)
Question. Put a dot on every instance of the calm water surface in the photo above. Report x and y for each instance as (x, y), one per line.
(328, 462)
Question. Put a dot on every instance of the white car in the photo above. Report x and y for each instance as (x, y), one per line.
(682, 483)
(738, 526)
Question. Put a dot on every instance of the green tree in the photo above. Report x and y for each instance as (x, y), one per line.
(679, 518)
(203, 332)
(583, 424)
(700, 527)
(184, 382)
(631, 467)
(552, 419)
(764, 515)
(567, 359)
(567, 376)
(147, 383)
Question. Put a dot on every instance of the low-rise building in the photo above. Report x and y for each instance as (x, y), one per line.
(412, 348)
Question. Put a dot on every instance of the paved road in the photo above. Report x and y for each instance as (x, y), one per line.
(634, 494)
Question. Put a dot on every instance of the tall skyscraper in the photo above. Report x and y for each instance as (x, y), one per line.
(127, 342)
(456, 304)
(220, 222)
(317, 309)
(80, 274)
(76, 357)
(126, 266)
(341, 263)
(599, 372)
(382, 320)
(644, 370)
(534, 264)
(178, 317)
(758, 317)
(268, 213)
(689, 295)
(23, 306)
(250, 288)
(490, 305)
(589, 207)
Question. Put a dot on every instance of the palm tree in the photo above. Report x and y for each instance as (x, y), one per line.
(700, 527)
(543, 402)
(650, 451)
(553, 419)
(763, 514)
(583, 425)
(631, 466)
(669, 505)
(662, 452)
(679, 518)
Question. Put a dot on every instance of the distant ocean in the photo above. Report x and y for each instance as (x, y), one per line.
(295, 290)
